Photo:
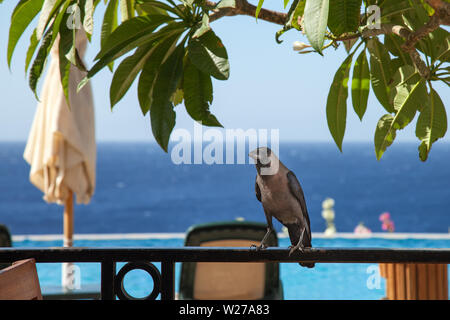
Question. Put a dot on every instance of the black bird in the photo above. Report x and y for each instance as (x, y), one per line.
(281, 195)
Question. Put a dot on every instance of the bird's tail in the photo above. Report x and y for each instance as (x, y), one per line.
(307, 265)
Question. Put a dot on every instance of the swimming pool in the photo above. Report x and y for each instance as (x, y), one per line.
(325, 281)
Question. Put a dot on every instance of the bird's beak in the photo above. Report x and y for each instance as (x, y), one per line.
(253, 155)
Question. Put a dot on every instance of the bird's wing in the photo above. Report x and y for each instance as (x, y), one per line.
(297, 192)
(257, 190)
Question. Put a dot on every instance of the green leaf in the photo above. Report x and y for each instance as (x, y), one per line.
(384, 134)
(23, 14)
(126, 9)
(59, 27)
(337, 102)
(109, 24)
(394, 43)
(197, 88)
(31, 49)
(292, 21)
(436, 44)
(66, 48)
(439, 48)
(47, 11)
(348, 44)
(203, 28)
(431, 125)
(344, 16)
(315, 22)
(411, 95)
(297, 13)
(442, 48)
(39, 62)
(69, 51)
(64, 72)
(209, 55)
(226, 4)
(177, 97)
(392, 10)
(88, 22)
(188, 3)
(118, 43)
(428, 8)
(396, 63)
(258, 8)
(129, 32)
(404, 75)
(150, 70)
(147, 6)
(420, 14)
(361, 84)
(162, 115)
(127, 72)
(380, 72)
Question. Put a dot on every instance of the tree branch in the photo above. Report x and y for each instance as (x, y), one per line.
(411, 38)
(442, 10)
(414, 37)
(245, 8)
(387, 29)
(421, 33)
(441, 16)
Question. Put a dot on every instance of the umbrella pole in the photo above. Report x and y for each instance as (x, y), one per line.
(68, 220)
(68, 270)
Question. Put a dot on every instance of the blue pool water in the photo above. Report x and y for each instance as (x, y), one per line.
(325, 281)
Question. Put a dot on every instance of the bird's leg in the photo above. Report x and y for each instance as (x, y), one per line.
(269, 230)
(263, 241)
(299, 245)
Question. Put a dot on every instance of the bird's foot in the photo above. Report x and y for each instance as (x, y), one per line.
(296, 247)
(261, 246)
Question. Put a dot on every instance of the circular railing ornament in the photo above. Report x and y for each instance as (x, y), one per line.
(150, 268)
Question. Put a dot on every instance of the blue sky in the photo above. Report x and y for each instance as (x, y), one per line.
(270, 87)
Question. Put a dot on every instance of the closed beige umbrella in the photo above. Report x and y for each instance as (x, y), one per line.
(61, 147)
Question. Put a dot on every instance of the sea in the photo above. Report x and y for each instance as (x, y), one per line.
(141, 190)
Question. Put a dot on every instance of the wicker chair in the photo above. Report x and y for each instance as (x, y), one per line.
(246, 281)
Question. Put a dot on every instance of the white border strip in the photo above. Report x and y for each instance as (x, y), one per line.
(144, 236)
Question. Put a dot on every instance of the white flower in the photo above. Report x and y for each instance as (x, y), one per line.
(299, 46)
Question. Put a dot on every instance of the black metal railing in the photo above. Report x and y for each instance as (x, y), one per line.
(164, 280)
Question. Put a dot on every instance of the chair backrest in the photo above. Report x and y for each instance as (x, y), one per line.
(244, 281)
(20, 281)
